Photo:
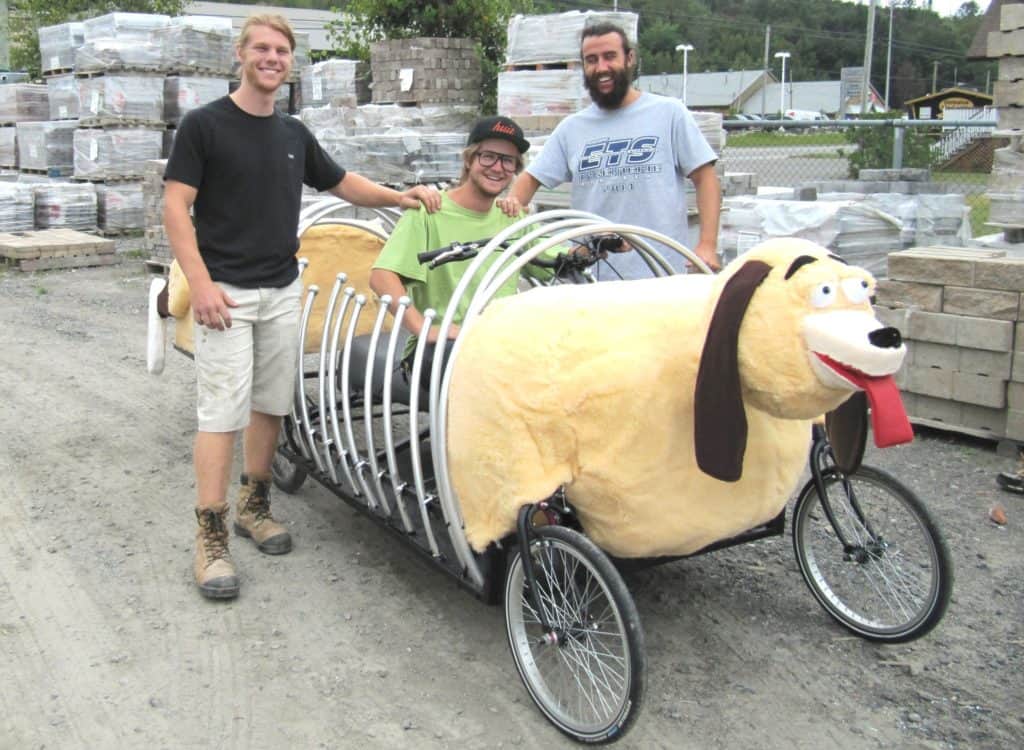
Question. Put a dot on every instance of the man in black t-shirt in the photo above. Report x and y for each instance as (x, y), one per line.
(241, 166)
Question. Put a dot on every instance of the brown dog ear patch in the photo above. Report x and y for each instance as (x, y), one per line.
(720, 422)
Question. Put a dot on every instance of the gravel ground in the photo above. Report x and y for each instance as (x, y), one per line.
(351, 641)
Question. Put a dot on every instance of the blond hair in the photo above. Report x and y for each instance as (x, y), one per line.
(470, 152)
(270, 20)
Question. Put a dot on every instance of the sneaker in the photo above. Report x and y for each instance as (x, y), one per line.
(253, 519)
(156, 328)
(1011, 481)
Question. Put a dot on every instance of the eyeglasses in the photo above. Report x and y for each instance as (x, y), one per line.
(489, 159)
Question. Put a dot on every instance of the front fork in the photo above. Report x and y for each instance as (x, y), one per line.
(525, 535)
(823, 462)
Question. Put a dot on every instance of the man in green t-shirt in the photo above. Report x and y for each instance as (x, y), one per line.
(492, 158)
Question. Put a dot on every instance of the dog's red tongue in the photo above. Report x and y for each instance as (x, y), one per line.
(888, 417)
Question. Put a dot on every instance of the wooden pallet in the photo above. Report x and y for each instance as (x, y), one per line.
(99, 122)
(116, 70)
(49, 171)
(56, 248)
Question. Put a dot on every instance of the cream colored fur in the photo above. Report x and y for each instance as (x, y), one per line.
(592, 387)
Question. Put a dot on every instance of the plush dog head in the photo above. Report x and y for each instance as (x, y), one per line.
(792, 334)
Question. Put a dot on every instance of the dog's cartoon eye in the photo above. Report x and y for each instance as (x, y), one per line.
(856, 290)
(824, 295)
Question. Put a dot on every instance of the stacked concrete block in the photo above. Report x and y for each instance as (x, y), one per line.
(154, 239)
(66, 205)
(9, 146)
(46, 147)
(335, 83)
(57, 45)
(959, 311)
(115, 153)
(541, 93)
(17, 207)
(555, 37)
(425, 70)
(121, 99)
(197, 45)
(1007, 44)
(23, 102)
(185, 93)
(64, 96)
(119, 207)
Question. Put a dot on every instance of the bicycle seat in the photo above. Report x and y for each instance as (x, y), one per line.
(400, 392)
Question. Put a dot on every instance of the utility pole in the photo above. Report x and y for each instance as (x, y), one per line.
(764, 82)
(888, 57)
(935, 75)
(5, 37)
(868, 47)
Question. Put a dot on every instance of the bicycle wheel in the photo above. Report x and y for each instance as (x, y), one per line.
(286, 476)
(588, 678)
(893, 579)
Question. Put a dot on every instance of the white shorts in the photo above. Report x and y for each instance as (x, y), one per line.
(250, 366)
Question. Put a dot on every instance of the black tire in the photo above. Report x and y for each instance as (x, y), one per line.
(894, 582)
(590, 684)
(286, 476)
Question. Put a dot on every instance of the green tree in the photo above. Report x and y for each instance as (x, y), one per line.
(486, 21)
(28, 15)
(875, 146)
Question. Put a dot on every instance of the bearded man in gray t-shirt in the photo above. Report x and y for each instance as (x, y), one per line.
(628, 156)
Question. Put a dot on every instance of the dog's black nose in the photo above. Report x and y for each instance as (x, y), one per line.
(886, 338)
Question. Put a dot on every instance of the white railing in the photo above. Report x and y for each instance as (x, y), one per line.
(955, 139)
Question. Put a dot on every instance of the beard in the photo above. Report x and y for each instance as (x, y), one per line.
(620, 87)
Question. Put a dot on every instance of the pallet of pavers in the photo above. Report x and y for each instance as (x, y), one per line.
(960, 313)
(55, 248)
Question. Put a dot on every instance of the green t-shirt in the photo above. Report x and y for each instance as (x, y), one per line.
(418, 231)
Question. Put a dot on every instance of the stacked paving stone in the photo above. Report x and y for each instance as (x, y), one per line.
(154, 240)
(66, 205)
(57, 45)
(959, 311)
(46, 147)
(425, 70)
(17, 207)
(1002, 38)
(9, 146)
(335, 83)
(182, 94)
(64, 96)
(555, 37)
(119, 208)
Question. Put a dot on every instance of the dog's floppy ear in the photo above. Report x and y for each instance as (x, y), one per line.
(720, 423)
(847, 428)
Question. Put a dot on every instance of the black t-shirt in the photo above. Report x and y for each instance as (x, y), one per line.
(249, 172)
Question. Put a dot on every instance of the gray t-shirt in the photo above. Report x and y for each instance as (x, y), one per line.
(630, 166)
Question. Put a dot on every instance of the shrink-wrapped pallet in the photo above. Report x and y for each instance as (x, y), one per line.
(710, 126)
(300, 55)
(129, 27)
(8, 146)
(69, 205)
(57, 45)
(185, 93)
(399, 157)
(64, 101)
(23, 102)
(119, 206)
(47, 147)
(198, 44)
(115, 152)
(17, 207)
(555, 37)
(369, 119)
(121, 98)
(339, 83)
(118, 54)
(541, 92)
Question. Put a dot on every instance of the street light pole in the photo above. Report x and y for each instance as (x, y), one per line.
(685, 49)
(782, 86)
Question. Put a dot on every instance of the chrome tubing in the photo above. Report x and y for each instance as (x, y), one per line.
(322, 376)
(332, 379)
(398, 486)
(371, 447)
(299, 391)
(358, 464)
(307, 427)
(414, 428)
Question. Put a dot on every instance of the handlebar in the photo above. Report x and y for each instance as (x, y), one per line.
(595, 249)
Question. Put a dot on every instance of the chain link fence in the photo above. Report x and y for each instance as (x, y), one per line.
(953, 157)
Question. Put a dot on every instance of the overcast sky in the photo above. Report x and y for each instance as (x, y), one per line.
(943, 7)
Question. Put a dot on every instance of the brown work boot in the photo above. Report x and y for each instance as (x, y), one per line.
(253, 518)
(215, 573)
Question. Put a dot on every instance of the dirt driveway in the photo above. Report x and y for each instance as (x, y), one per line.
(351, 642)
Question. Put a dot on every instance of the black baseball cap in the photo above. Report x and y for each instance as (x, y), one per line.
(499, 127)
